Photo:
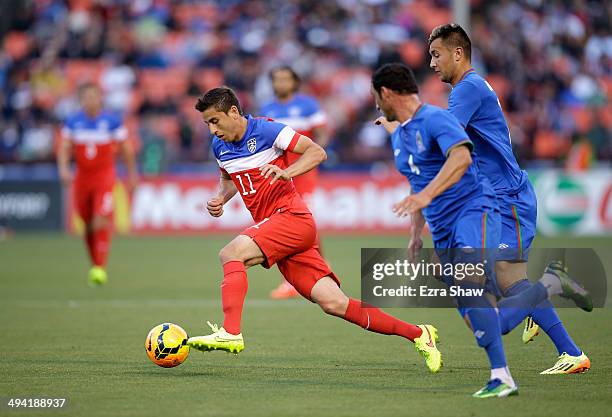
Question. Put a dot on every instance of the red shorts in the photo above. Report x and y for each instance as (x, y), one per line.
(305, 184)
(290, 241)
(93, 200)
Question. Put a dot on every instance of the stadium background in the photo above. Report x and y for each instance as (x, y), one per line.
(549, 61)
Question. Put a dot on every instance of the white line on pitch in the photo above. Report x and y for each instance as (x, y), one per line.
(130, 303)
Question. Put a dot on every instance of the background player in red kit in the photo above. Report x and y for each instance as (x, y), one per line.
(303, 114)
(94, 134)
(250, 153)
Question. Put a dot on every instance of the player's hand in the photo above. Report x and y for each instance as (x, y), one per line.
(411, 204)
(65, 178)
(215, 206)
(389, 126)
(414, 248)
(277, 173)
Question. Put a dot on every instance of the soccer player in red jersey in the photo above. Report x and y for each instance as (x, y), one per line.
(94, 135)
(250, 153)
(302, 113)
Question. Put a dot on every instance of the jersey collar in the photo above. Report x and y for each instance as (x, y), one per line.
(414, 115)
(465, 74)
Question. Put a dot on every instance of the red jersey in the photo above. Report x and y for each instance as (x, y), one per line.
(264, 142)
(94, 140)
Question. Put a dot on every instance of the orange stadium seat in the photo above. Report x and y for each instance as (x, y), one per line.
(501, 85)
(185, 12)
(79, 71)
(187, 107)
(429, 16)
(17, 44)
(550, 145)
(607, 85)
(583, 117)
(434, 91)
(605, 115)
(172, 82)
(168, 127)
(209, 78)
(413, 53)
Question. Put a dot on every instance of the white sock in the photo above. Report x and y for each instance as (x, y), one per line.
(503, 374)
(552, 283)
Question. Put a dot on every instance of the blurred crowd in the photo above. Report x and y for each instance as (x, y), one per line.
(549, 61)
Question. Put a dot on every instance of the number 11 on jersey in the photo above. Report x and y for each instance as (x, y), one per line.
(244, 190)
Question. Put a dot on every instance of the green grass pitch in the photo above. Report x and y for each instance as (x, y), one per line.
(62, 339)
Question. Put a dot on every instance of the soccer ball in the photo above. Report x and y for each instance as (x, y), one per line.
(166, 345)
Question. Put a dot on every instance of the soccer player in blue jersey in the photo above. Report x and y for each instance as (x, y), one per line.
(474, 103)
(449, 193)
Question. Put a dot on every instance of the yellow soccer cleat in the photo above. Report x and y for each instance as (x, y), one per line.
(530, 331)
(426, 346)
(567, 364)
(218, 340)
(97, 276)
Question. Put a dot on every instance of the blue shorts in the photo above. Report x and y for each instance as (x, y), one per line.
(473, 239)
(519, 213)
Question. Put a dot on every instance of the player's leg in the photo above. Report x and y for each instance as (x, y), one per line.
(571, 358)
(239, 254)
(274, 238)
(472, 239)
(304, 184)
(236, 256)
(312, 277)
(100, 230)
(83, 207)
(518, 226)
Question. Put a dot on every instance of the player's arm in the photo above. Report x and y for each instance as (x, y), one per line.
(457, 162)
(312, 156)
(129, 158)
(416, 243)
(227, 189)
(390, 127)
(63, 160)
(321, 135)
(318, 123)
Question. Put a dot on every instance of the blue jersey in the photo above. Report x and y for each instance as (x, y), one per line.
(302, 113)
(474, 103)
(421, 146)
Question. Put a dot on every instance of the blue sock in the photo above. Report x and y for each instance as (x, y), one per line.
(512, 310)
(546, 317)
(485, 325)
(520, 300)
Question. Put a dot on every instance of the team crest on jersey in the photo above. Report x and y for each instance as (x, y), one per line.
(419, 142)
(252, 145)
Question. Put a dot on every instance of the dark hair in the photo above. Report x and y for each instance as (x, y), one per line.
(453, 35)
(296, 78)
(294, 74)
(221, 98)
(396, 77)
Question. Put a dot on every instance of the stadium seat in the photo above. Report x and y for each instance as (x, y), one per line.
(550, 145)
(79, 71)
(172, 82)
(209, 78)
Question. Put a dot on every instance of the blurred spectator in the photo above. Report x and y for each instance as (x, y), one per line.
(549, 61)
